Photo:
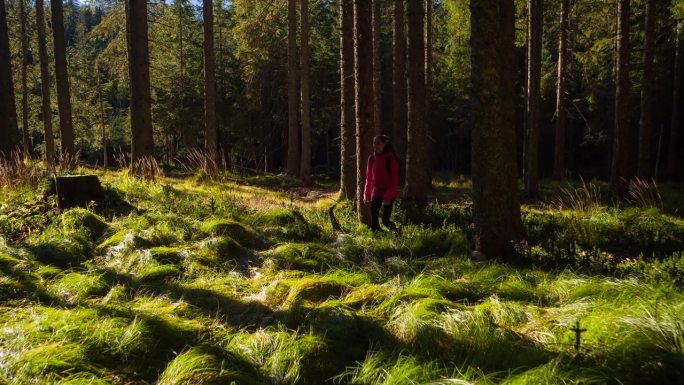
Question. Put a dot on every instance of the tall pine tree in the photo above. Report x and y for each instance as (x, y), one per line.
(8, 112)
(142, 139)
(496, 205)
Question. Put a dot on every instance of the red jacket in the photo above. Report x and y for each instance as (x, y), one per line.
(382, 176)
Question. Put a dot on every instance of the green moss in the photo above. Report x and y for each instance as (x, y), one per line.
(157, 273)
(114, 240)
(380, 369)
(286, 357)
(11, 289)
(61, 250)
(75, 287)
(47, 272)
(117, 294)
(79, 219)
(223, 249)
(285, 225)
(315, 288)
(233, 229)
(85, 378)
(49, 361)
(168, 255)
(205, 365)
(367, 297)
(310, 257)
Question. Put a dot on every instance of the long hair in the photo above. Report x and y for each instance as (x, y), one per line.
(388, 143)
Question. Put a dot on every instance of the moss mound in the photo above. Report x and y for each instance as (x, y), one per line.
(240, 232)
(158, 273)
(82, 220)
(309, 257)
(167, 255)
(205, 365)
(57, 250)
(74, 287)
(285, 225)
(221, 250)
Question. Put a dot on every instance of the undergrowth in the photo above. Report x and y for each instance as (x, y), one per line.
(180, 281)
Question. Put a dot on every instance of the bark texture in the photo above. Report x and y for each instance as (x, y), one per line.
(210, 85)
(399, 122)
(496, 204)
(429, 4)
(417, 175)
(26, 137)
(142, 140)
(377, 68)
(66, 128)
(674, 149)
(8, 112)
(45, 86)
(347, 118)
(535, 20)
(292, 95)
(363, 85)
(644, 169)
(561, 113)
(620, 161)
(305, 161)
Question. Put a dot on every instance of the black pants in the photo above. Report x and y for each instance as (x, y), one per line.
(376, 205)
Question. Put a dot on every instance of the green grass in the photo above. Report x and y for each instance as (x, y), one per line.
(179, 282)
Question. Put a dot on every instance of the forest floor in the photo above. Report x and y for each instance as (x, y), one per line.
(244, 281)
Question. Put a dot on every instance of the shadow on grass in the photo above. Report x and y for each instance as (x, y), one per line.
(27, 285)
(348, 336)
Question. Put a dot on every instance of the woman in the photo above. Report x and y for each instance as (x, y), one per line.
(382, 179)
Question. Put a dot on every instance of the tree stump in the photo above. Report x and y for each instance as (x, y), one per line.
(76, 191)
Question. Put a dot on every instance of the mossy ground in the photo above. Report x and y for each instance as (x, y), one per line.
(175, 282)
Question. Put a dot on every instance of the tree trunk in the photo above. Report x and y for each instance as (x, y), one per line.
(181, 57)
(399, 84)
(210, 85)
(8, 113)
(496, 205)
(677, 107)
(417, 182)
(561, 113)
(45, 86)
(363, 85)
(103, 121)
(620, 163)
(26, 136)
(429, 4)
(347, 126)
(66, 128)
(644, 169)
(377, 68)
(180, 40)
(292, 96)
(535, 19)
(305, 162)
(142, 139)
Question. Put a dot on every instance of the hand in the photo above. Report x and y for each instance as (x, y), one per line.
(366, 200)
